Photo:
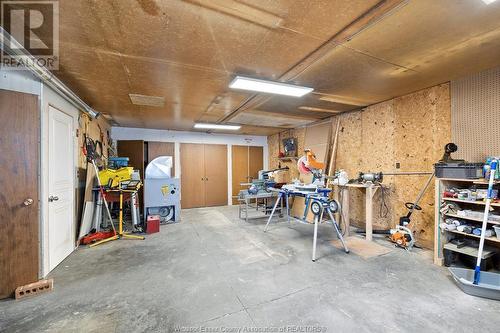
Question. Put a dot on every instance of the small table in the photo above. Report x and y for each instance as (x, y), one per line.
(371, 189)
(245, 203)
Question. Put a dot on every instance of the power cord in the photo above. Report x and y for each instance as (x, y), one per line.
(384, 209)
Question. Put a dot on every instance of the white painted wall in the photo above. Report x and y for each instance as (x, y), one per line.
(50, 97)
(178, 137)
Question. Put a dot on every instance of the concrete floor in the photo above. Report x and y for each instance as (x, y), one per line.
(213, 271)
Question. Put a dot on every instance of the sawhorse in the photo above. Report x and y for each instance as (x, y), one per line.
(283, 195)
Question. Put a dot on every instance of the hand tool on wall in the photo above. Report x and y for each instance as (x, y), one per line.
(91, 153)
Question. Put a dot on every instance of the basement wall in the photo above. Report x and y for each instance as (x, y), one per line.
(410, 130)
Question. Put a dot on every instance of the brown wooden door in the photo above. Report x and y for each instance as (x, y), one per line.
(134, 150)
(156, 149)
(246, 164)
(192, 175)
(239, 169)
(215, 175)
(19, 223)
(255, 161)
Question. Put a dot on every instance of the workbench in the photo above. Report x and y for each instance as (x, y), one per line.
(370, 189)
(249, 201)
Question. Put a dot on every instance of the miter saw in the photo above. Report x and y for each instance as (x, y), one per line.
(264, 183)
(308, 164)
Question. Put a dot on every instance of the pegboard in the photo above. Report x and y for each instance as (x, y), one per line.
(475, 115)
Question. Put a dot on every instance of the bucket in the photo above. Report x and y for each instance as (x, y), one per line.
(497, 230)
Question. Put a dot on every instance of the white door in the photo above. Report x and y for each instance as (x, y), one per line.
(61, 187)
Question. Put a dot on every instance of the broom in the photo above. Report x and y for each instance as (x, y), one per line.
(477, 271)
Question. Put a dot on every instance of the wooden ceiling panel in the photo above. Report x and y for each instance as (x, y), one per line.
(177, 84)
(188, 52)
(258, 130)
(421, 44)
(172, 31)
(320, 19)
(308, 106)
(221, 105)
(427, 33)
(347, 73)
(257, 118)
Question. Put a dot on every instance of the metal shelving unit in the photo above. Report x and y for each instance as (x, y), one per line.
(442, 237)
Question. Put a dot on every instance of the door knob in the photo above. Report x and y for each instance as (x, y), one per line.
(53, 198)
(28, 202)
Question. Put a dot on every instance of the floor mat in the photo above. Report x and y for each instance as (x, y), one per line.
(362, 247)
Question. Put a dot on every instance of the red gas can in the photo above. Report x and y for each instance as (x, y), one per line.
(153, 224)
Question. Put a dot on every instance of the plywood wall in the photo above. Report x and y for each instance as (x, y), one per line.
(410, 130)
(96, 129)
(275, 145)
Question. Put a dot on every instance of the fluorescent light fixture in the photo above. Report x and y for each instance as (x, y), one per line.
(270, 87)
(217, 126)
(488, 1)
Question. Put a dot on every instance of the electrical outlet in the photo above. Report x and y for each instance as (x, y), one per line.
(398, 165)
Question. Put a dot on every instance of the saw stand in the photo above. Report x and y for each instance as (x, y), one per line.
(319, 205)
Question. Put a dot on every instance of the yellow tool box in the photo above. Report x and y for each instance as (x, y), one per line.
(119, 175)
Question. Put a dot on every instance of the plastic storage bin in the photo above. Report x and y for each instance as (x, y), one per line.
(497, 231)
(117, 162)
(458, 170)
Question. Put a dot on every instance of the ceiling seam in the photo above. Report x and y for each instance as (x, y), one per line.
(377, 58)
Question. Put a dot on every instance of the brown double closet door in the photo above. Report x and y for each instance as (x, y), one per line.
(247, 162)
(203, 175)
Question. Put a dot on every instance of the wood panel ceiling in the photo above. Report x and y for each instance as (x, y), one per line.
(353, 52)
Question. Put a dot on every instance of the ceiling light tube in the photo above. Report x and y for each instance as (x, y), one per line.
(488, 1)
(217, 126)
(6, 41)
(269, 87)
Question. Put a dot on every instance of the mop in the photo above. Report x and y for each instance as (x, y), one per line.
(475, 282)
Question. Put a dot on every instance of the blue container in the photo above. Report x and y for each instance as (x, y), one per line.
(117, 162)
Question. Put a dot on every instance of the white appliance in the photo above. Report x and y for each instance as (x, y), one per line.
(161, 191)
